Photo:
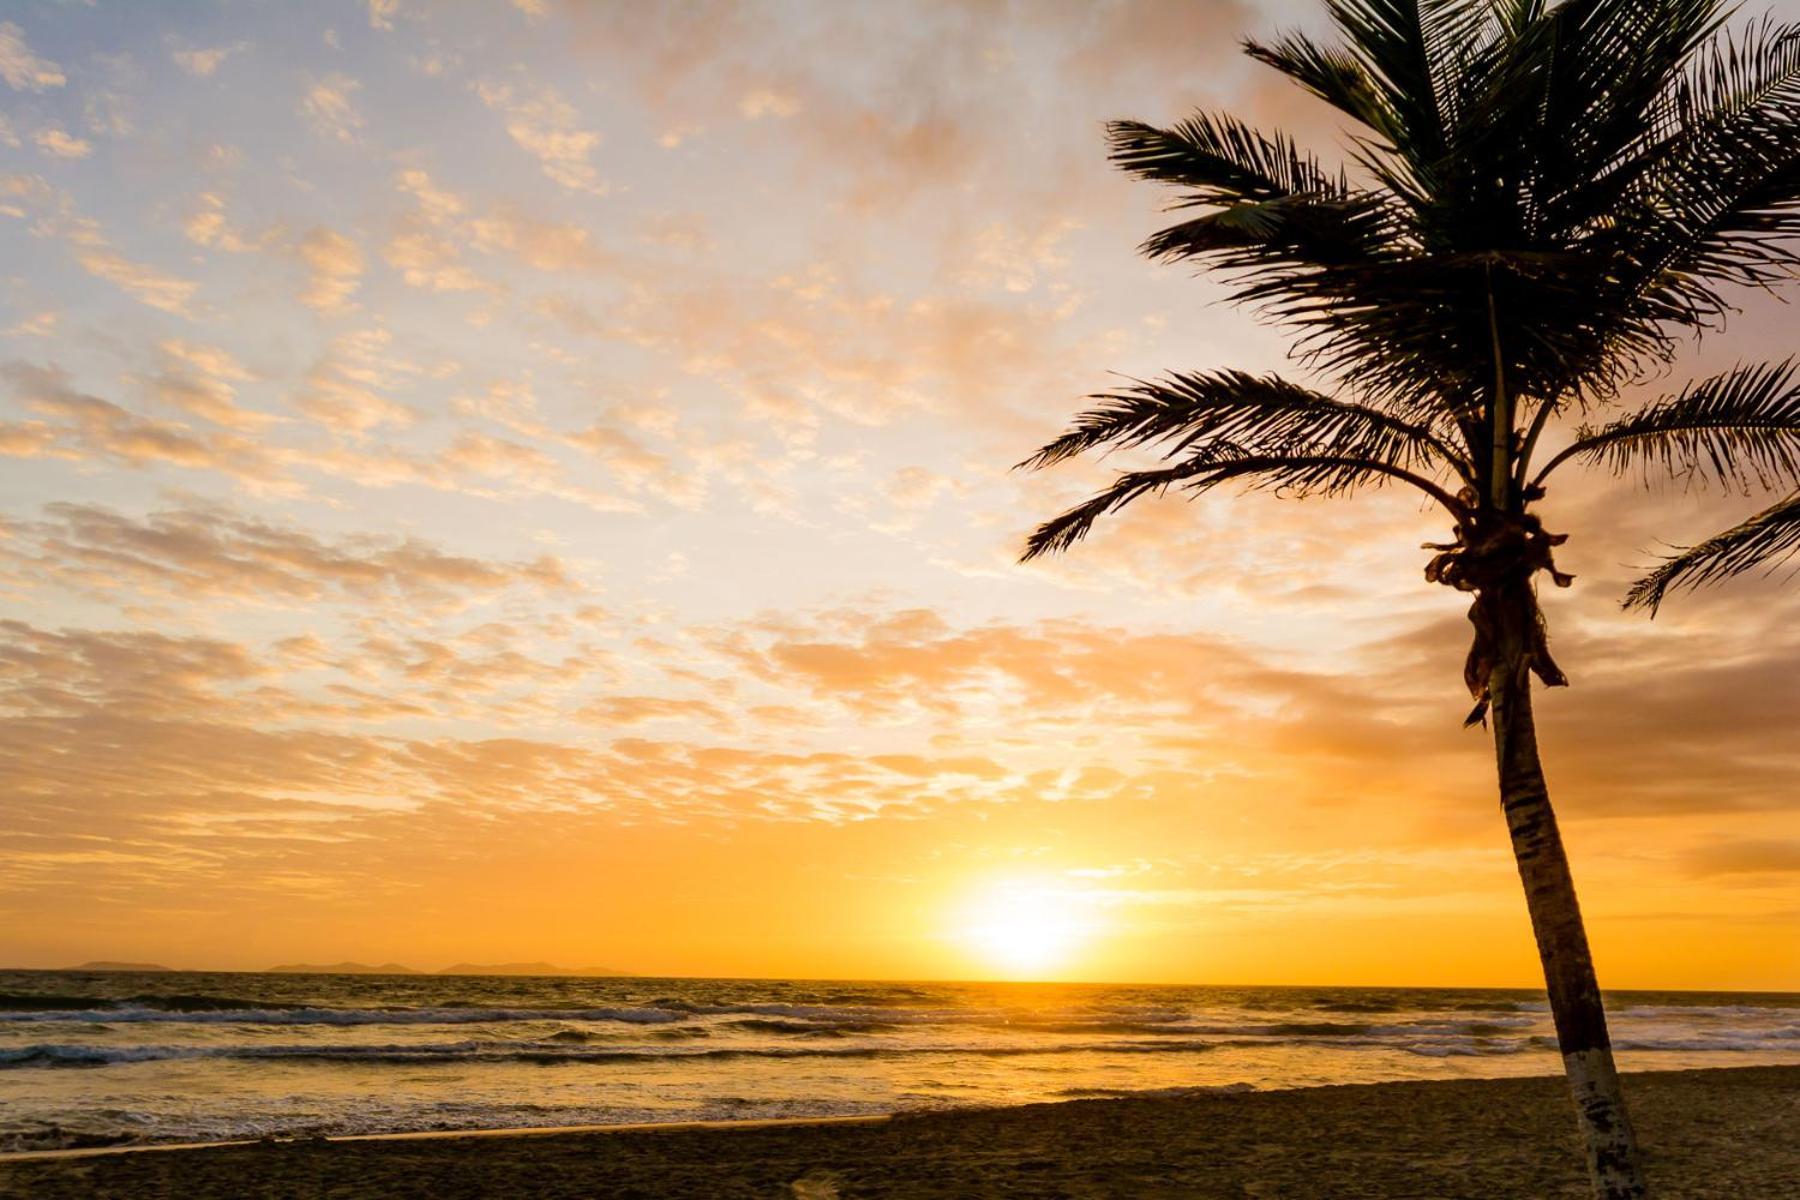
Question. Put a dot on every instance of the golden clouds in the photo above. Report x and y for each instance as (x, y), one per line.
(336, 266)
(196, 552)
(346, 389)
(208, 226)
(84, 426)
(202, 380)
(400, 526)
(329, 104)
(59, 143)
(23, 70)
(202, 62)
(546, 126)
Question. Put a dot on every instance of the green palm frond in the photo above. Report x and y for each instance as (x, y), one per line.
(1766, 540)
(1740, 429)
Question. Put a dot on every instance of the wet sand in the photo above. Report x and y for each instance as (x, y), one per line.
(1719, 1135)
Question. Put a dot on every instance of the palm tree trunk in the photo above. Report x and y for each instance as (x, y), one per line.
(1612, 1152)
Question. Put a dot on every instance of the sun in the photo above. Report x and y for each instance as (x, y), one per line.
(1026, 929)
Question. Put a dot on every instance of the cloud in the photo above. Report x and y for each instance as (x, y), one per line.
(1765, 856)
(169, 293)
(547, 127)
(215, 552)
(381, 14)
(1013, 259)
(23, 70)
(638, 468)
(59, 144)
(208, 226)
(108, 115)
(619, 711)
(427, 261)
(336, 264)
(766, 395)
(200, 380)
(346, 388)
(432, 240)
(84, 427)
(328, 105)
(767, 102)
(201, 63)
(542, 245)
(98, 258)
(37, 325)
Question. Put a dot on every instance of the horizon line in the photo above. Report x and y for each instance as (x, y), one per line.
(607, 973)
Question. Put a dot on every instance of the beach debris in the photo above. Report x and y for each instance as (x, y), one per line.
(816, 1185)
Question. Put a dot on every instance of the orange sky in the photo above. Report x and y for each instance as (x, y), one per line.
(496, 482)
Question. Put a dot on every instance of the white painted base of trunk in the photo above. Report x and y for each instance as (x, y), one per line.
(1604, 1125)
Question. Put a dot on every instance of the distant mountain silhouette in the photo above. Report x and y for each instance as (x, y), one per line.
(526, 968)
(105, 965)
(343, 968)
(356, 968)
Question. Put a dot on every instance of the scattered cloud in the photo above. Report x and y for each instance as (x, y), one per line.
(23, 70)
(147, 284)
(768, 102)
(208, 226)
(37, 325)
(328, 103)
(548, 128)
(384, 496)
(202, 381)
(335, 263)
(202, 62)
(58, 143)
(346, 389)
(192, 552)
(71, 424)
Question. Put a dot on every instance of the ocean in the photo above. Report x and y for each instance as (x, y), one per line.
(91, 1059)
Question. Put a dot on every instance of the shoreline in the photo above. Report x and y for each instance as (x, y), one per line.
(727, 1124)
(499, 1131)
(1709, 1132)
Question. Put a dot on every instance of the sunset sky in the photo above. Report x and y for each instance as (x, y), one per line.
(498, 481)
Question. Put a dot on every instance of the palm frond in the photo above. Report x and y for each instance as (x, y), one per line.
(1064, 530)
(1220, 160)
(1398, 44)
(1295, 474)
(1286, 233)
(1334, 76)
(1545, 194)
(1766, 540)
(1740, 429)
(1717, 199)
(1260, 415)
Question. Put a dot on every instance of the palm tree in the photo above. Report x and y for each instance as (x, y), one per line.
(1542, 200)
(1769, 538)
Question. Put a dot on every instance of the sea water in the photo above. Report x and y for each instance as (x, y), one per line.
(104, 1058)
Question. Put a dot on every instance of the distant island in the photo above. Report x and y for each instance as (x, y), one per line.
(528, 968)
(515, 968)
(105, 965)
(342, 968)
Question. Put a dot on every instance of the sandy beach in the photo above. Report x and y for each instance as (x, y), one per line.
(1724, 1134)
